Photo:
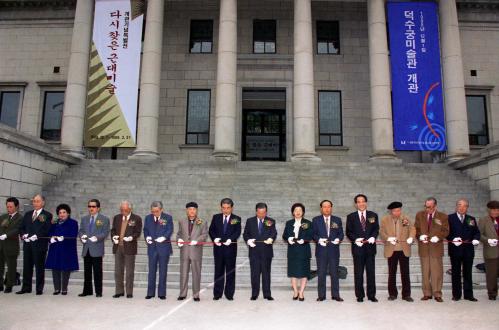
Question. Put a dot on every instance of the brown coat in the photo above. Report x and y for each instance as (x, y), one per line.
(134, 227)
(387, 229)
(439, 228)
(487, 231)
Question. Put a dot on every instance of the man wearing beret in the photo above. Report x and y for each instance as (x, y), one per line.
(432, 227)
(463, 237)
(398, 233)
(489, 235)
(192, 231)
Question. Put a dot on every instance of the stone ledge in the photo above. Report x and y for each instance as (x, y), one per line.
(482, 157)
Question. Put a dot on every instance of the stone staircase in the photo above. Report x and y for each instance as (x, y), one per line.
(277, 184)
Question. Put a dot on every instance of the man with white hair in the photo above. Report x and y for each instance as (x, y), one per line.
(125, 232)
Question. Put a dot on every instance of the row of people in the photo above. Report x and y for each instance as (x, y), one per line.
(41, 232)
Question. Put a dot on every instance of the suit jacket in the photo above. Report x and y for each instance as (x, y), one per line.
(199, 233)
(335, 231)
(39, 227)
(134, 227)
(306, 233)
(488, 231)
(439, 228)
(388, 229)
(468, 231)
(261, 250)
(233, 233)
(100, 229)
(63, 255)
(354, 231)
(164, 227)
(10, 246)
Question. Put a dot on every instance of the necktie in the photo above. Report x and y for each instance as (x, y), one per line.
(430, 219)
(35, 214)
(225, 224)
(327, 226)
(496, 225)
(363, 221)
(155, 219)
(91, 226)
(461, 217)
(259, 226)
(191, 225)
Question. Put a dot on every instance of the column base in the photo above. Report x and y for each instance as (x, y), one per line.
(144, 156)
(387, 157)
(225, 155)
(305, 157)
(78, 153)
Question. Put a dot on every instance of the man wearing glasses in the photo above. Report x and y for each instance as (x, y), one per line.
(94, 229)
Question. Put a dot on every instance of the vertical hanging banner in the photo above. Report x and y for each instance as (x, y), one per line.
(113, 77)
(418, 114)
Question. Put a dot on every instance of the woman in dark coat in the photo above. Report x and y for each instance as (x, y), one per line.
(62, 256)
(298, 234)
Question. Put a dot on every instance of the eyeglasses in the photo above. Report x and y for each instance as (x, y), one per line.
(92, 206)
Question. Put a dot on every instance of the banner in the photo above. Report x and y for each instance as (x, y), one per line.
(113, 77)
(418, 114)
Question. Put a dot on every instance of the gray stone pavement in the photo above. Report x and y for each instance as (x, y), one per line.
(72, 312)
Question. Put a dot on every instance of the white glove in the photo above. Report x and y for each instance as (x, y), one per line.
(193, 243)
(60, 238)
(160, 239)
(33, 238)
(322, 241)
(291, 240)
(53, 240)
(434, 239)
(83, 238)
(180, 242)
(359, 241)
(128, 239)
(371, 240)
(336, 241)
(251, 242)
(457, 241)
(24, 237)
(116, 239)
(475, 242)
(3, 237)
(269, 241)
(423, 238)
(392, 240)
(410, 240)
(93, 239)
(492, 242)
(300, 241)
(149, 240)
(228, 242)
(217, 241)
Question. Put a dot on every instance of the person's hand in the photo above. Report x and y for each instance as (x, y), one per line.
(192, 243)
(371, 240)
(359, 241)
(423, 238)
(336, 241)
(3, 237)
(93, 239)
(25, 236)
(128, 238)
(33, 238)
(434, 239)
(492, 242)
(149, 240)
(410, 240)
(228, 242)
(116, 239)
(60, 238)
(269, 241)
(251, 242)
(83, 239)
(53, 240)
(457, 241)
(300, 241)
(291, 240)
(475, 242)
(392, 240)
(180, 242)
(160, 239)
(217, 241)
(322, 241)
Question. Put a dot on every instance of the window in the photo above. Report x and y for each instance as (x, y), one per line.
(53, 105)
(201, 36)
(264, 36)
(330, 131)
(328, 37)
(198, 117)
(478, 131)
(9, 107)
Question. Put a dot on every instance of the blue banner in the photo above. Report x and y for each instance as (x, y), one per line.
(418, 114)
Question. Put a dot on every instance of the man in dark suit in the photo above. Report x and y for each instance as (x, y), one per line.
(158, 229)
(225, 229)
(328, 234)
(34, 231)
(125, 231)
(362, 230)
(9, 242)
(463, 237)
(260, 233)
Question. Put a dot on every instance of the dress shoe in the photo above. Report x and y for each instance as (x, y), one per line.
(39, 293)
(230, 298)
(455, 299)
(162, 297)
(149, 297)
(7, 290)
(1, 288)
(492, 298)
(23, 291)
(269, 298)
(373, 299)
(56, 293)
(426, 298)
(295, 297)
(439, 299)
(216, 298)
(118, 295)
(64, 293)
(321, 299)
(98, 295)
(471, 299)
(129, 295)
(180, 298)
(338, 299)
(197, 299)
(408, 299)
(392, 298)
(360, 299)
(254, 297)
(84, 295)
(301, 299)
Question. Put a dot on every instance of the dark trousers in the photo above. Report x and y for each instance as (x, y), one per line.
(33, 258)
(328, 264)
(11, 261)
(92, 264)
(399, 258)
(225, 275)
(124, 263)
(260, 266)
(61, 280)
(492, 272)
(154, 261)
(361, 262)
(464, 263)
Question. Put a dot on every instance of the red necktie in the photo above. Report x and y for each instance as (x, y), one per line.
(496, 225)
(430, 219)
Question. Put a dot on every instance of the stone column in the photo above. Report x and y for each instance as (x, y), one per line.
(150, 80)
(225, 109)
(303, 83)
(379, 77)
(456, 119)
(73, 116)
